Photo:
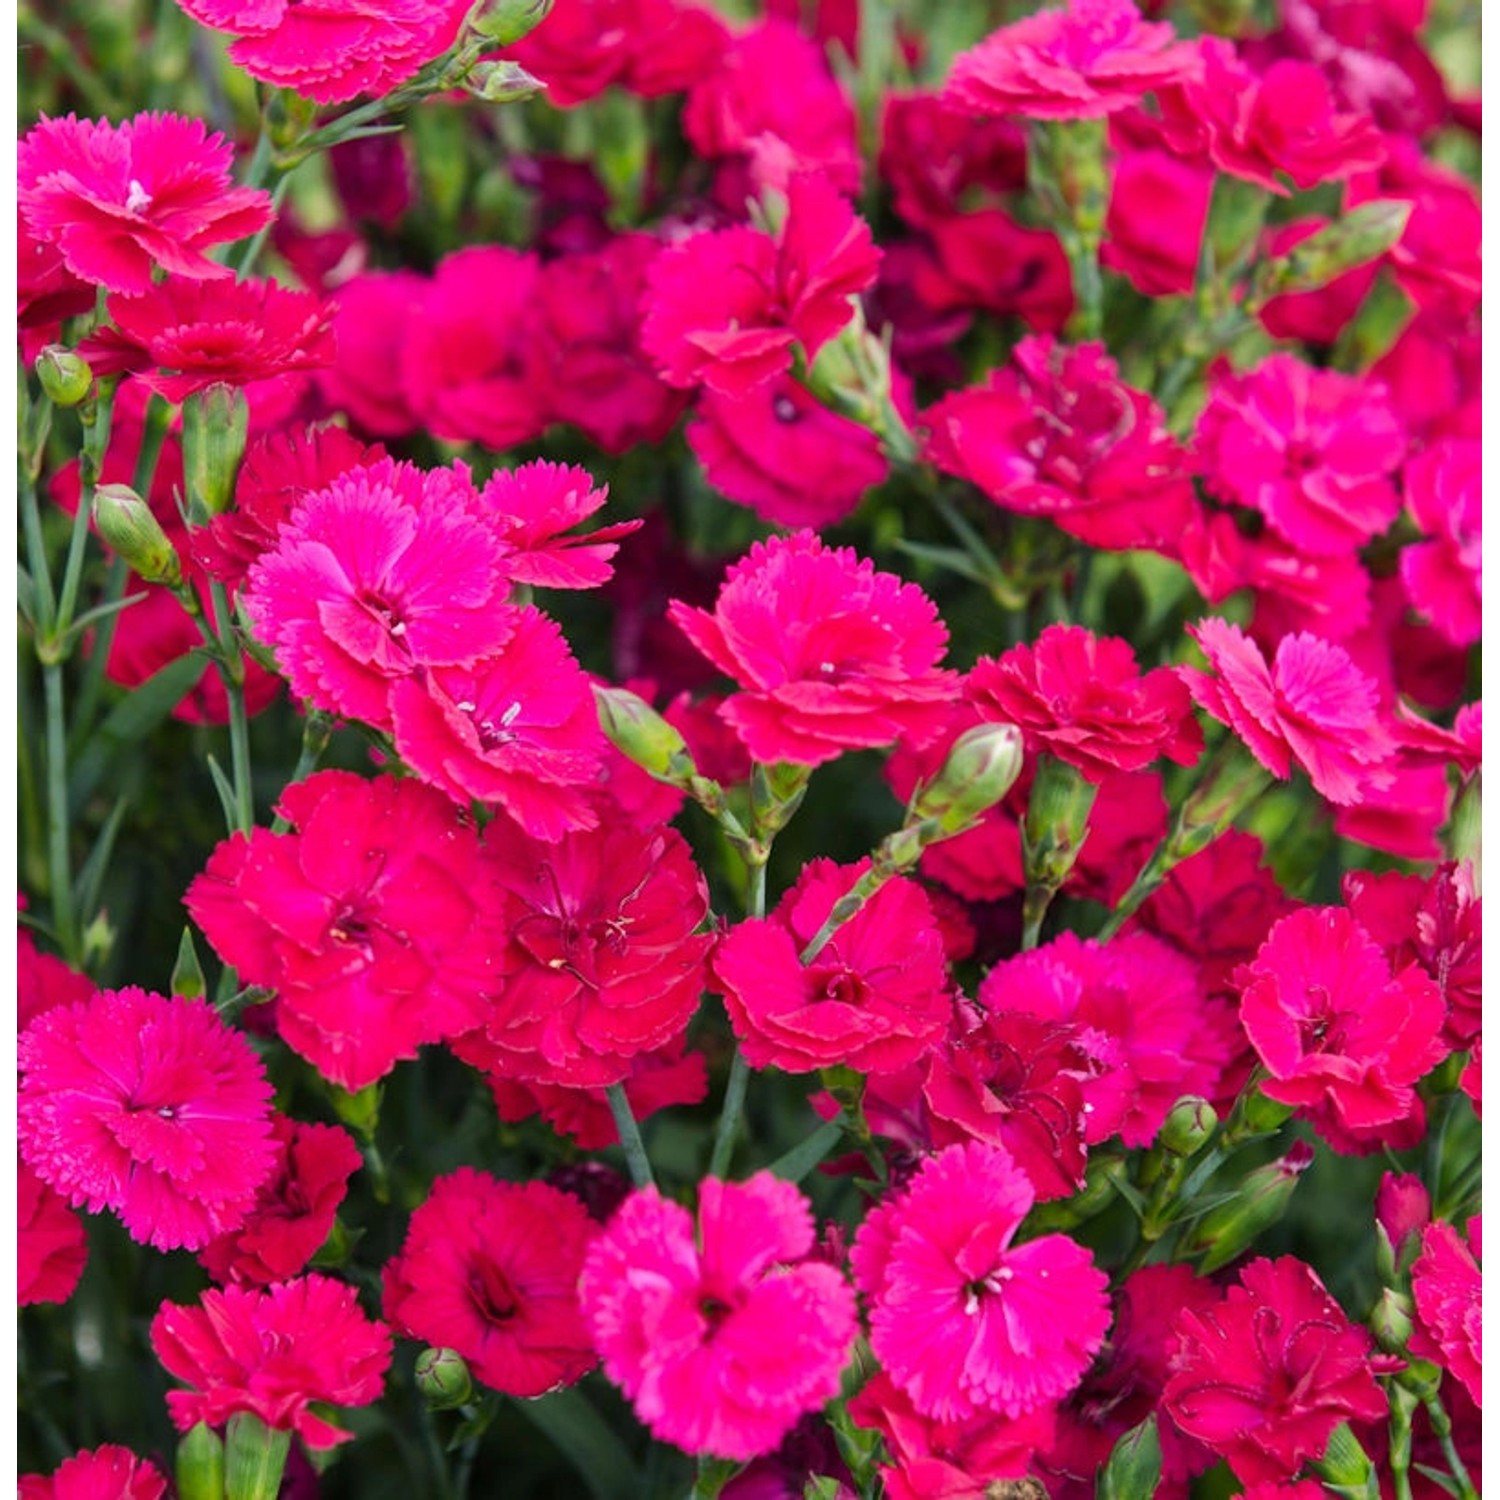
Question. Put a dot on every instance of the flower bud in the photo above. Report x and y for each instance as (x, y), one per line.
(1362, 235)
(1135, 1465)
(1402, 1212)
(215, 422)
(359, 1111)
(1057, 821)
(639, 733)
(501, 82)
(199, 1465)
(64, 376)
(1188, 1126)
(443, 1379)
(1345, 1467)
(126, 524)
(980, 769)
(1391, 1320)
(254, 1457)
(1225, 1232)
(507, 21)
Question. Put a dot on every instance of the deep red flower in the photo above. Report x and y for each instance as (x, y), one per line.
(274, 1353)
(987, 260)
(51, 1244)
(108, 1472)
(491, 1269)
(1447, 1286)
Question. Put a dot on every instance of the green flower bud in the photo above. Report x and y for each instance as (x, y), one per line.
(980, 769)
(1391, 1320)
(359, 1111)
(65, 377)
(1226, 1232)
(1135, 1465)
(1057, 821)
(1362, 235)
(1345, 1467)
(126, 524)
(501, 82)
(254, 1457)
(507, 21)
(199, 1465)
(1188, 1126)
(443, 1379)
(639, 733)
(215, 422)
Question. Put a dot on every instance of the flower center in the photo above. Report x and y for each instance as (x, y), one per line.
(492, 1294)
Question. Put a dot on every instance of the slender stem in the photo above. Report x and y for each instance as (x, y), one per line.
(316, 730)
(91, 462)
(1399, 1442)
(1442, 1425)
(739, 1070)
(64, 917)
(232, 671)
(630, 1136)
(36, 557)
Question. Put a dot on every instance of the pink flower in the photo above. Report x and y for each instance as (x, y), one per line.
(491, 1268)
(1087, 59)
(148, 1106)
(1265, 1377)
(51, 1244)
(1471, 1080)
(377, 309)
(1312, 706)
(369, 920)
(333, 50)
(1312, 450)
(721, 1334)
(1338, 1033)
(987, 260)
(121, 200)
(830, 654)
(1158, 210)
(875, 998)
(180, 336)
(273, 1353)
(1442, 574)
(108, 1472)
(961, 1319)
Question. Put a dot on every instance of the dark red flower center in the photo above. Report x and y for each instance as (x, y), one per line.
(492, 1294)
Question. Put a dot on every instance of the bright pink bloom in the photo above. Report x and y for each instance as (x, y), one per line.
(1339, 1035)
(148, 1106)
(1446, 1283)
(1424, 742)
(597, 946)
(108, 1472)
(1312, 706)
(876, 997)
(961, 1319)
(1082, 698)
(825, 257)
(1265, 1376)
(1312, 450)
(51, 1244)
(377, 309)
(532, 507)
(1402, 818)
(721, 1334)
(830, 654)
(518, 728)
(368, 920)
(1471, 1080)
(180, 336)
(1443, 574)
(121, 200)
(273, 1353)
(1158, 209)
(295, 1210)
(491, 1268)
(1087, 59)
(987, 260)
(1403, 1209)
(333, 50)
(935, 159)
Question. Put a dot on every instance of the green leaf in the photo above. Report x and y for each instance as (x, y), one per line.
(91, 877)
(92, 617)
(187, 972)
(794, 1165)
(587, 1442)
(227, 800)
(946, 557)
(26, 595)
(1440, 1477)
(1134, 1466)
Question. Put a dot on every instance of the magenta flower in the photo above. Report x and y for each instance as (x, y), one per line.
(963, 1321)
(366, 377)
(121, 200)
(52, 1246)
(1266, 1375)
(491, 1268)
(721, 1334)
(1312, 706)
(273, 1353)
(830, 655)
(1443, 573)
(108, 1472)
(1089, 58)
(1447, 1286)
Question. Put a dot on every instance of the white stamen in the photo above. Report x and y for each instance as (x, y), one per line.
(137, 198)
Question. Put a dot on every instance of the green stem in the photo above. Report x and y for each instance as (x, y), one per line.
(316, 730)
(91, 463)
(231, 665)
(1442, 1425)
(630, 1136)
(1399, 1442)
(59, 866)
(739, 1070)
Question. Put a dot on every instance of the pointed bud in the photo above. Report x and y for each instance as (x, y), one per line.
(125, 522)
(1402, 1212)
(1391, 1320)
(1362, 235)
(501, 82)
(443, 1379)
(65, 377)
(1345, 1467)
(639, 733)
(215, 422)
(1057, 821)
(1225, 1232)
(980, 769)
(187, 973)
(199, 1465)
(254, 1457)
(1135, 1465)
(507, 21)
(1188, 1126)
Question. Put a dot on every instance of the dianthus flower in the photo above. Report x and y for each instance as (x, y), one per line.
(830, 654)
(721, 1334)
(333, 50)
(1089, 58)
(491, 1268)
(1442, 573)
(51, 1244)
(119, 201)
(963, 1320)
(1340, 1035)
(366, 376)
(1312, 450)
(987, 260)
(151, 1107)
(1082, 698)
(1057, 434)
(367, 919)
(385, 572)
(875, 997)
(1266, 1375)
(598, 951)
(108, 1472)
(179, 336)
(1311, 706)
(295, 1209)
(1446, 1285)
(273, 1353)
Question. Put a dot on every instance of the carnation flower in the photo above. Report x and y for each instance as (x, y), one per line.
(987, 260)
(874, 998)
(368, 919)
(1341, 1037)
(366, 378)
(961, 1319)
(491, 1269)
(51, 1244)
(1312, 705)
(1446, 1285)
(721, 1334)
(148, 1106)
(273, 1353)
(108, 1472)
(830, 654)
(1089, 58)
(43, 980)
(1442, 574)
(119, 201)
(1266, 1375)
(1158, 210)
